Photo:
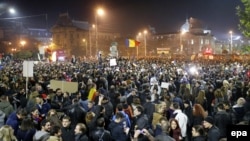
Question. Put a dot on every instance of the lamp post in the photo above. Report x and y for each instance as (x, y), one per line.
(145, 41)
(138, 36)
(231, 41)
(9, 10)
(181, 45)
(86, 46)
(99, 12)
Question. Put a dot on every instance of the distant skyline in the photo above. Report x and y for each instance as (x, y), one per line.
(132, 16)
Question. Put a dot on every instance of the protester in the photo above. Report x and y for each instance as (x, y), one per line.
(129, 81)
(80, 132)
(15, 118)
(26, 130)
(213, 132)
(7, 133)
(67, 129)
(198, 133)
(44, 133)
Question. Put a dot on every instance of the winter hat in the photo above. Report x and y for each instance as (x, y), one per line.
(44, 96)
(209, 119)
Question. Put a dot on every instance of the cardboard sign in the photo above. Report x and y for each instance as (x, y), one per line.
(65, 86)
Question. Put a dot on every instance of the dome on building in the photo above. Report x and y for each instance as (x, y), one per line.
(185, 26)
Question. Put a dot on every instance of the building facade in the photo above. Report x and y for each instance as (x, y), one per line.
(79, 38)
(191, 39)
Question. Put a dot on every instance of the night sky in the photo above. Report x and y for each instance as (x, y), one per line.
(132, 16)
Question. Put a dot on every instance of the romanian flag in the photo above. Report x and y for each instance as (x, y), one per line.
(132, 43)
(92, 94)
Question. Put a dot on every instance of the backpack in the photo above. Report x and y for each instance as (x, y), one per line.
(100, 138)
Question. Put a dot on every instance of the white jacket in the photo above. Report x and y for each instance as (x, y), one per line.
(182, 120)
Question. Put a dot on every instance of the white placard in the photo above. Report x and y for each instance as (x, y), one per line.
(165, 85)
(28, 68)
(153, 81)
(41, 50)
(113, 62)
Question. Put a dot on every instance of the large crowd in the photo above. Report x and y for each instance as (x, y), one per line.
(146, 99)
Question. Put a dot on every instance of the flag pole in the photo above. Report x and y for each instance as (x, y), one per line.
(137, 51)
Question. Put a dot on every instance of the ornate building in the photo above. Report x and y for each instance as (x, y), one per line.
(79, 38)
(192, 38)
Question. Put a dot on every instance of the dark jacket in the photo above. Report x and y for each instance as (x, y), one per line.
(142, 121)
(117, 131)
(101, 134)
(222, 120)
(164, 137)
(213, 134)
(13, 121)
(67, 133)
(76, 113)
(92, 125)
(199, 138)
(25, 135)
(79, 137)
(149, 109)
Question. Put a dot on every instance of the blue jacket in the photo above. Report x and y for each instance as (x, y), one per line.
(126, 118)
(13, 121)
(44, 108)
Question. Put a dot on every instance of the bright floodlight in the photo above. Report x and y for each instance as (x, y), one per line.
(100, 12)
(193, 70)
(12, 10)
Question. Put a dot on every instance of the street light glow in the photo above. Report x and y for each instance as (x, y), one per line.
(12, 10)
(100, 11)
(231, 41)
(22, 42)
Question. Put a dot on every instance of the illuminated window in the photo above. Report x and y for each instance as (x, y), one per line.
(207, 42)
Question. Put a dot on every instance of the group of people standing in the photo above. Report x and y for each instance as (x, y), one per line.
(124, 102)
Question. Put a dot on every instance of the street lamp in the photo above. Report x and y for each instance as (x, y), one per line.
(231, 41)
(86, 45)
(138, 36)
(181, 45)
(22, 42)
(145, 41)
(99, 12)
(10, 10)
